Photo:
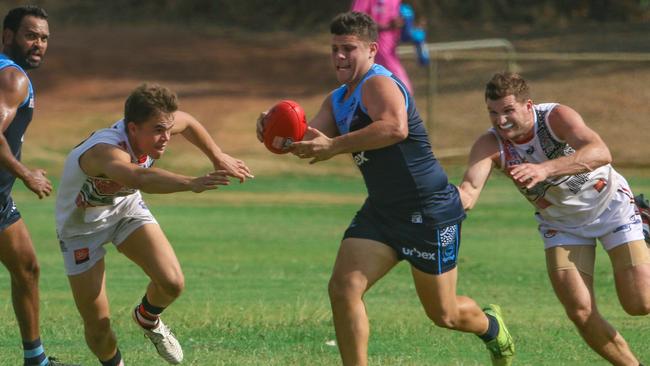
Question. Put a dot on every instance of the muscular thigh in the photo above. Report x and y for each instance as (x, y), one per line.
(571, 257)
(631, 265)
(629, 255)
(361, 262)
(89, 292)
(16, 247)
(149, 248)
(570, 269)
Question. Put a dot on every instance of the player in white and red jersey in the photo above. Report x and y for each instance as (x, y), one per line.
(99, 201)
(563, 168)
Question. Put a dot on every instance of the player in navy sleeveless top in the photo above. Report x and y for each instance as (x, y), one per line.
(411, 213)
(25, 35)
(404, 178)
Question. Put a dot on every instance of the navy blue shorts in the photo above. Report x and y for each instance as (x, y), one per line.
(429, 249)
(9, 213)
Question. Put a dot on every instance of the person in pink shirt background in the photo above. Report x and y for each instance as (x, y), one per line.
(386, 14)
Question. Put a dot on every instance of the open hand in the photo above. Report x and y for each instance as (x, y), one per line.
(38, 183)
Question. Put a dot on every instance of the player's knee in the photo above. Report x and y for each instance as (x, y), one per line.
(26, 273)
(443, 319)
(173, 286)
(637, 307)
(97, 332)
(581, 316)
(343, 288)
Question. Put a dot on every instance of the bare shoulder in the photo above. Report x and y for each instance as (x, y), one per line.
(382, 92)
(562, 115)
(486, 146)
(487, 141)
(380, 84)
(564, 121)
(182, 120)
(182, 116)
(94, 160)
(13, 85)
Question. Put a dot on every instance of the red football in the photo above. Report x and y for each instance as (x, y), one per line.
(284, 124)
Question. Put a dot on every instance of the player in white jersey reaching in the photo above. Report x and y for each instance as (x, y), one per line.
(563, 168)
(99, 201)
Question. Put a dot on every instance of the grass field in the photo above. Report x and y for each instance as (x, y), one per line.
(257, 258)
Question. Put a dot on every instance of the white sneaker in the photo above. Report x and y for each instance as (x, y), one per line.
(165, 341)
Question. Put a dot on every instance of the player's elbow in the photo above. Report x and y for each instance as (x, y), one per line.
(468, 206)
(467, 199)
(602, 156)
(607, 157)
(399, 133)
(138, 182)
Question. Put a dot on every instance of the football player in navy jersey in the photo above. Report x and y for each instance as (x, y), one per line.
(25, 36)
(412, 212)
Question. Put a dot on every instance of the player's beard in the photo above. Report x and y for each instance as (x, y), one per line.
(20, 56)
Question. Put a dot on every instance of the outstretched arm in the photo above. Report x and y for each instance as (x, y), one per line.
(484, 153)
(195, 132)
(590, 150)
(14, 88)
(109, 161)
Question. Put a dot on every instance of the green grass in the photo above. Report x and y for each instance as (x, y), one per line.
(256, 276)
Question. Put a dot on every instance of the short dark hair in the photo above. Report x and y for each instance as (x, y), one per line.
(15, 16)
(507, 83)
(356, 24)
(149, 100)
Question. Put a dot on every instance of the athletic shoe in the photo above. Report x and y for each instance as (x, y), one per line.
(55, 362)
(165, 341)
(644, 210)
(502, 348)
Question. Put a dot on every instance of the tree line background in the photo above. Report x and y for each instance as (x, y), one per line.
(314, 15)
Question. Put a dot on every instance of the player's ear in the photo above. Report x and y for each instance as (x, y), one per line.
(373, 46)
(131, 127)
(529, 104)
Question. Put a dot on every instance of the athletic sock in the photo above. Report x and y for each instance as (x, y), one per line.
(34, 352)
(493, 329)
(115, 361)
(147, 315)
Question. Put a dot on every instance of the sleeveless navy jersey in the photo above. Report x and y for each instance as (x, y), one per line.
(404, 179)
(16, 129)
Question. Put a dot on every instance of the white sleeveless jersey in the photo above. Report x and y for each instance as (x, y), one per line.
(571, 200)
(85, 204)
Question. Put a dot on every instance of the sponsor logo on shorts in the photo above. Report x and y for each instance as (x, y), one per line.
(600, 185)
(416, 218)
(412, 252)
(550, 233)
(143, 205)
(635, 219)
(448, 236)
(449, 254)
(622, 229)
(81, 255)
